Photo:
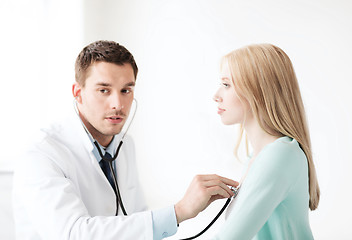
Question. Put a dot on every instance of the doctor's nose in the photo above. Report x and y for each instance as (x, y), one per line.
(116, 103)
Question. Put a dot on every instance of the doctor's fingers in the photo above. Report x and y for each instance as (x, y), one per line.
(210, 177)
(218, 183)
(216, 192)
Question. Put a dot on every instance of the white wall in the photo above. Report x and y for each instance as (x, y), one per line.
(40, 40)
(177, 45)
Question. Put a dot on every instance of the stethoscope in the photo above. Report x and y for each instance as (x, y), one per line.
(110, 160)
(235, 191)
(117, 190)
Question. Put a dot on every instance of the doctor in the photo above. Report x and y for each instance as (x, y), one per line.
(62, 190)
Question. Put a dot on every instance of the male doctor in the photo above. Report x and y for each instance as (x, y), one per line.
(63, 190)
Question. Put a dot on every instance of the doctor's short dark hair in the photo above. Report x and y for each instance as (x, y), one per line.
(102, 51)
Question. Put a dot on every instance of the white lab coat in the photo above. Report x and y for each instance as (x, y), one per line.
(60, 191)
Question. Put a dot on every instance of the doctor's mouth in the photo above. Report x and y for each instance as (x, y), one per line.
(115, 119)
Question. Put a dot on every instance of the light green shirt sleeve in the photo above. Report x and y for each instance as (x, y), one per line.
(272, 175)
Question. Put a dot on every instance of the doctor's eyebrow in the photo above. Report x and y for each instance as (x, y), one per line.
(105, 84)
(130, 84)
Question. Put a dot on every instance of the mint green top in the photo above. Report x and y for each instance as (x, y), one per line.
(273, 200)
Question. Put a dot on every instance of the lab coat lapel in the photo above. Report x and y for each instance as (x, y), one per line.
(82, 147)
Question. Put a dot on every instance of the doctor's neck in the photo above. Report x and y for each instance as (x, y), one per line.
(103, 139)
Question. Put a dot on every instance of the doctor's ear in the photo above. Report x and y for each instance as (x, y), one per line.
(76, 91)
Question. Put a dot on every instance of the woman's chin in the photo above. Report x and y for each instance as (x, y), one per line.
(227, 122)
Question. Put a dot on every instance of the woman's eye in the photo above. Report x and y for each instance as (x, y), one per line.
(226, 85)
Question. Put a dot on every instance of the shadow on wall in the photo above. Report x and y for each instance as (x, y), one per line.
(7, 230)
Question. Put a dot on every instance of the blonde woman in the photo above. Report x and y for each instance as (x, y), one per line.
(259, 90)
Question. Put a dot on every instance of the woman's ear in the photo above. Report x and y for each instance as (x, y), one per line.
(76, 91)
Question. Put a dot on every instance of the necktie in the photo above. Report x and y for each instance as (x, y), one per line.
(106, 170)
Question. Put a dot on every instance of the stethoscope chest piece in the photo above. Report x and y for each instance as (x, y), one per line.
(235, 191)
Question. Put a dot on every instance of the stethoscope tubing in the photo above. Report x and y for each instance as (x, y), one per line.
(118, 195)
(235, 191)
(116, 190)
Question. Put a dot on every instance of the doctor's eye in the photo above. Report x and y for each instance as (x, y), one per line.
(103, 90)
(126, 90)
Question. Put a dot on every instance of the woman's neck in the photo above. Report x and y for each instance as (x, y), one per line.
(257, 137)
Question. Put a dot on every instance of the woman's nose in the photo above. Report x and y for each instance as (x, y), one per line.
(217, 98)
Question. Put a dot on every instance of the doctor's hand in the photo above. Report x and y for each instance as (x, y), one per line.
(203, 190)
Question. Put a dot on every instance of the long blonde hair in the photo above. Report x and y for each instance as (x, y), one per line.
(263, 75)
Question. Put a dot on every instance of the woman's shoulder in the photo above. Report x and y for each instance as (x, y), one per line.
(283, 153)
(284, 147)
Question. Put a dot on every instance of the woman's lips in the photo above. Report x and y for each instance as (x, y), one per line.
(220, 110)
